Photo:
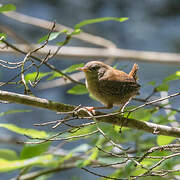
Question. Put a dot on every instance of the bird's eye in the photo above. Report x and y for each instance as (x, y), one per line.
(94, 68)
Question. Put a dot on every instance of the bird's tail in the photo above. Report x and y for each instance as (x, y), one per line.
(133, 72)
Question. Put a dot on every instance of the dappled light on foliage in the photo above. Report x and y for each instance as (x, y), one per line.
(140, 142)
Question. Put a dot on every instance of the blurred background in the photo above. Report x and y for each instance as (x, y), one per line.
(152, 26)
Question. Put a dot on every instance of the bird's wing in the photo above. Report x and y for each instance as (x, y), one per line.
(117, 76)
(118, 88)
(118, 82)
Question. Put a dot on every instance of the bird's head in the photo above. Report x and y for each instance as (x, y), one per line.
(94, 69)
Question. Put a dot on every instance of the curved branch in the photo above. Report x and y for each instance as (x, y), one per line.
(90, 53)
(102, 117)
(96, 40)
(16, 49)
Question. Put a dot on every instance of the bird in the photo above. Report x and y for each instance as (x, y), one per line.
(109, 85)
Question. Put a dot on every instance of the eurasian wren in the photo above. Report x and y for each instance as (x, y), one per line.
(110, 86)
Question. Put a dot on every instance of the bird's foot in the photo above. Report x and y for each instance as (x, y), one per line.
(90, 108)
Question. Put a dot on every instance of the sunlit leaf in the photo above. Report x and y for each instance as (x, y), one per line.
(73, 68)
(172, 77)
(60, 43)
(162, 87)
(6, 165)
(7, 7)
(54, 75)
(24, 131)
(108, 160)
(138, 171)
(153, 83)
(67, 70)
(116, 174)
(52, 36)
(114, 134)
(78, 90)
(76, 32)
(164, 140)
(32, 150)
(84, 130)
(160, 119)
(3, 36)
(130, 167)
(97, 20)
(65, 158)
(81, 148)
(160, 154)
(32, 76)
(15, 111)
(94, 154)
(8, 154)
(142, 114)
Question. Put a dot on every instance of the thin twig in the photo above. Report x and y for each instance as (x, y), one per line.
(159, 148)
(100, 117)
(38, 59)
(53, 138)
(102, 176)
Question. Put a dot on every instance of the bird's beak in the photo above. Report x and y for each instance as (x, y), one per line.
(82, 69)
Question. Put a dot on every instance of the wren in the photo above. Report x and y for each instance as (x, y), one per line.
(110, 86)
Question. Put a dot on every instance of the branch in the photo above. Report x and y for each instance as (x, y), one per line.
(102, 53)
(19, 50)
(96, 40)
(102, 117)
(33, 175)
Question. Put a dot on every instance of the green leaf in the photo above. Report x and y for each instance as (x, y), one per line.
(153, 83)
(24, 131)
(15, 111)
(109, 160)
(78, 90)
(7, 7)
(112, 132)
(162, 87)
(116, 65)
(76, 32)
(142, 114)
(164, 140)
(81, 148)
(61, 43)
(138, 171)
(82, 131)
(6, 165)
(73, 68)
(67, 70)
(54, 75)
(3, 36)
(8, 154)
(97, 20)
(52, 36)
(32, 76)
(160, 154)
(32, 150)
(94, 154)
(160, 119)
(172, 77)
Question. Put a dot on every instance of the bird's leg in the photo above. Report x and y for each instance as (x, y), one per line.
(123, 106)
(109, 106)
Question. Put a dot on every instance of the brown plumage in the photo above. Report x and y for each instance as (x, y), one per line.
(110, 86)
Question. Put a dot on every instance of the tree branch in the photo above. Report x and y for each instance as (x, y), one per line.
(102, 53)
(96, 40)
(112, 119)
